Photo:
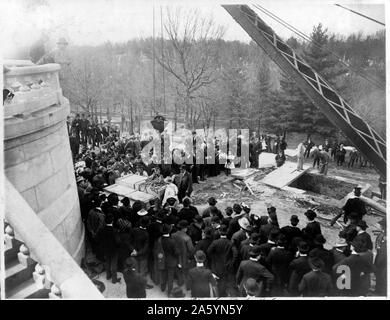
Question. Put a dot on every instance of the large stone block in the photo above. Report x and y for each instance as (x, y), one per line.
(60, 156)
(30, 173)
(52, 188)
(41, 145)
(13, 156)
(56, 213)
(31, 198)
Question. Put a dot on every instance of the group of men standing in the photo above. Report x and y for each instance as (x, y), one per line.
(84, 130)
(230, 254)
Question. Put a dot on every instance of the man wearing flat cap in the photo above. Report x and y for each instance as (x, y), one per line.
(186, 251)
(201, 281)
(354, 204)
(253, 269)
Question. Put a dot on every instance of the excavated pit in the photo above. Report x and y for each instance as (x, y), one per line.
(323, 185)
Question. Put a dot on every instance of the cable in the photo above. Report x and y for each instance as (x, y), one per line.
(360, 14)
(307, 38)
(373, 81)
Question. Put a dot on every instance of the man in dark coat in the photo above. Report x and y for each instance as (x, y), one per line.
(109, 242)
(315, 283)
(279, 260)
(76, 127)
(253, 269)
(200, 279)
(292, 231)
(141, 246)
(222, 256)
(233, 224)
(195, 229)
(272, 224)
(380, 262)
(183, 182)
(135, 282)
(320, 252)
(188, 212)
(354, 204)
(74, 145)
(96, 223)
(155, 232)
(204, 244)
(186, 251)
(248, 244)
(271, 243)
(358, 268)
(125, 241)
(212, 204)
(167, 258)
(298, 268)
(363, 236)
(84, 124)
(312, 228)
(242, 234)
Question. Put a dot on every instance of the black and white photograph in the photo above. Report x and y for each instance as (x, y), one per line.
(193, 150)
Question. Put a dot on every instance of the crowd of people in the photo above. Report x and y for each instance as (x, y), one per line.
(232, 254)
(169, 243)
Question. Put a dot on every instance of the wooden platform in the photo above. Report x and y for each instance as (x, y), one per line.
(284, 175)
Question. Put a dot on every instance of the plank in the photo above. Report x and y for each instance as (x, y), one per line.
(284, 175)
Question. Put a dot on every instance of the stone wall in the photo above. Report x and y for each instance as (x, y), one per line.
(37, 154)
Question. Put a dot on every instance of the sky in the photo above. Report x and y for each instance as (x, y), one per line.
(92, 22)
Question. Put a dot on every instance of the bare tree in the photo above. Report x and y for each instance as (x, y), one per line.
(189, 55)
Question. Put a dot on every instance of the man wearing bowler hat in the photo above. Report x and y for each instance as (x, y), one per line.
(312, 228)
(186, 251)
(253, 269)
(354, 204)
(291, 231)
(201, 281)
(223, 256)
(167, 258)
(183, 182)
(298, 268)
(315, 283)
